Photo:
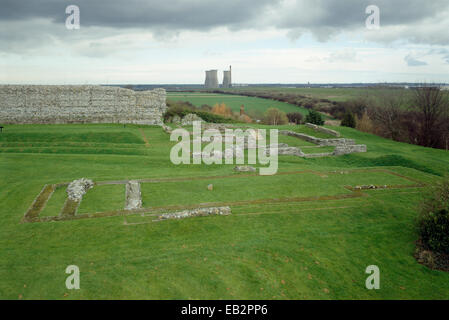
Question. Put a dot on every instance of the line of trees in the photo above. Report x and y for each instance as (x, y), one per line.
(421, 117)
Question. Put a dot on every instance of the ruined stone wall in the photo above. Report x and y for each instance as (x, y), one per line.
(346, 149)
(342, 145)
(318, 141)
(323, 129)
(80, 104)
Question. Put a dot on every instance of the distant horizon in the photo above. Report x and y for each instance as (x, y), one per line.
(235, 84)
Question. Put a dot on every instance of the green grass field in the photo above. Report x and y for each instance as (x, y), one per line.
(234, 101)
(332, 94)
(299, 234)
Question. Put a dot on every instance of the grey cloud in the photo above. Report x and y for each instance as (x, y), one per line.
(173, 14)
(41, 22)
(444, 53)
(414, 21)
(413, 62)
(351, 13)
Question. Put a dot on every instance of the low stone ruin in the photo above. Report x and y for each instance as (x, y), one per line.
(323, 129)
(219, 126)
(244, 169)
(371, 186)
(133, 196)
(189, 118)
(285, 150)
(347, 149)
(166, 128)
(77, 188)
(199, 212)
(318, 141)
(229, 153)
(342, 145)
(176, 119)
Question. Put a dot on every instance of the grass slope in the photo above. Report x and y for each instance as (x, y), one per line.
(279, 250)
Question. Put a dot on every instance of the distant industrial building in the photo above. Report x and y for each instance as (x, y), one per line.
(227, 80)
(211, 79)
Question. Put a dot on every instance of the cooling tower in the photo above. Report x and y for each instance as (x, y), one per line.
(211, 79)
(227, 80)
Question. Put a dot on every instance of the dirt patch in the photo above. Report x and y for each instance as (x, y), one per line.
(39, 203)
(430, 259)
(70, 208)
(147, 144)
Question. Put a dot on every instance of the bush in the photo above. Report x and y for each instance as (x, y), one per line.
(274, 116)
(348, 120)
(309, 105)
(294, 117)
(206, 107)
(433, 222)
(365, 124)
(222, 110)
(215, 118)
(315, 118)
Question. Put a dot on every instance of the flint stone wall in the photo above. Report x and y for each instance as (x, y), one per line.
(342, 146)
(323, 129)
(346, 149)
(133, 196)
(318, 141)
(199, 212)
(80, 104)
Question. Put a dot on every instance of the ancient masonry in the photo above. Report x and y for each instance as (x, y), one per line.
(133, 195)
(323, 129)
(199, 212)
(342, 146)
(80, 104)
(133, 203)
(80, 186)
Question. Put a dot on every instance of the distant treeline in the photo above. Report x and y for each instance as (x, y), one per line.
(418, 116)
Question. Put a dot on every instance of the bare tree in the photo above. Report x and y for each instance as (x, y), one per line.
(274, 116)
(389, 115)
(431, 106)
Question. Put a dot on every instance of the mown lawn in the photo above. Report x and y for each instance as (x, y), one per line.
(271, 250)
(234, 102)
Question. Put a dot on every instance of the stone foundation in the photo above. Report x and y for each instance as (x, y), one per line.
(346, 149)
(133, 196)
(323, 129)
(200, 212)
(342, 146)
(318, 141)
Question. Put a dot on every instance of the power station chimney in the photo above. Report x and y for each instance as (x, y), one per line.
(227, 78)
(211, 79)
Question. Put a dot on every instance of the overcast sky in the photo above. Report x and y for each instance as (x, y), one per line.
(265, 41)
